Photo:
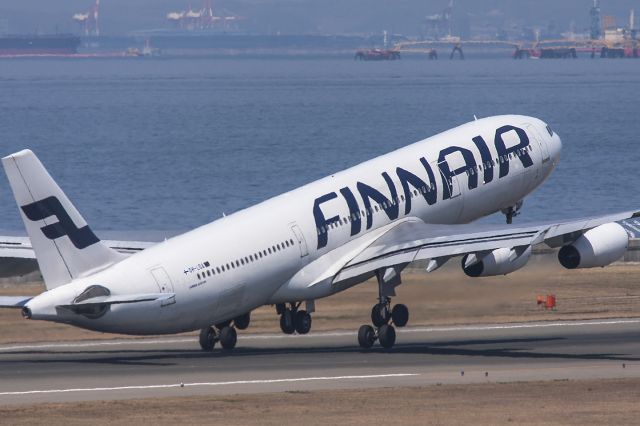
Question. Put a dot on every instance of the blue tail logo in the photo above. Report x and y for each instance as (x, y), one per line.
(51, 206)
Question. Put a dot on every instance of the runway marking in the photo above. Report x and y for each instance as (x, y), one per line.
(237, 382)
(488, 327)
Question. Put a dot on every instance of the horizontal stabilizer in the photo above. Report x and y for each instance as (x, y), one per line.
(14, 301)
(121, 299)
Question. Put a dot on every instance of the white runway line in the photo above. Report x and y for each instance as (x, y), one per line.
(238, 382)
(81, 344)
(441, 329)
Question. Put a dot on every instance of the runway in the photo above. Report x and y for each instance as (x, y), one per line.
(158, 367)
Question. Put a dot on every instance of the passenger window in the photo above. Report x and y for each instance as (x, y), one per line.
(198, 275)
(218, 269)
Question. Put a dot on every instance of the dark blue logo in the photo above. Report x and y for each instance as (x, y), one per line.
(51, 206)
(428, 186)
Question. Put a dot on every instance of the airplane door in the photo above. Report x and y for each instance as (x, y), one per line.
(454, 203)
(304, 251)
(452, 182)
(162, 279)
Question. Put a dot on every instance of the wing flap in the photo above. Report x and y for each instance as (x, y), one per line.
(415, 240)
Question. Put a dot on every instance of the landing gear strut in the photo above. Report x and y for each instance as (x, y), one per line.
(382, 315)
(293, 319)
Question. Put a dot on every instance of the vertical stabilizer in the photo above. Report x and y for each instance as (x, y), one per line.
(65, 247)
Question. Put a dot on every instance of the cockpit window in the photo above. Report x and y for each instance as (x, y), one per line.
(549, 130)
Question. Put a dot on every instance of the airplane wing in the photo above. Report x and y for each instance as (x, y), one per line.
(18, 258)
(415, 240)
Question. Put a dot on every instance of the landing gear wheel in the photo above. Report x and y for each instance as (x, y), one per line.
(228, 338)
(242, 322)
(380, 314)
(302, 322)
(286, 322)
(207, 338)
(400, 315)
(387, 336)
(366, 336)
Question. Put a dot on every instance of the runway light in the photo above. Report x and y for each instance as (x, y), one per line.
(462, 373)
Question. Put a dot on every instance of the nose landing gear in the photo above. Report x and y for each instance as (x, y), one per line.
(512, 211)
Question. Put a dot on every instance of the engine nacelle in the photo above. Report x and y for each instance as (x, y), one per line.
(498, 262)
(599, 246)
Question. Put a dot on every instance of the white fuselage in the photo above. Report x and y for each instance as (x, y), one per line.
(288, 248)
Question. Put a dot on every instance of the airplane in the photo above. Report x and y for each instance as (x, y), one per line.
(418, 202)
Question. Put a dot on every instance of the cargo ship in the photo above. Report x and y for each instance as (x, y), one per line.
(25, 45)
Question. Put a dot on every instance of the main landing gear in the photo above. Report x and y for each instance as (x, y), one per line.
(224, 332)
(383, 316)
(293, 319)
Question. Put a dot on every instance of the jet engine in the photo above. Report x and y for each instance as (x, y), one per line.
(497, 262)
(599, 246)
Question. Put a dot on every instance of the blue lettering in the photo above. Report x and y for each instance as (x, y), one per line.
(322, 224)
(470, 162)
(390, 206)
(503, 151)
(487, 161)
(354, 210)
